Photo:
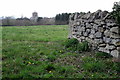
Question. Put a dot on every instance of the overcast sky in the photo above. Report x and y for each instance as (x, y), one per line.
(49, 8)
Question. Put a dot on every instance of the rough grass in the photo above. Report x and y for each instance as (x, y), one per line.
(37, 52)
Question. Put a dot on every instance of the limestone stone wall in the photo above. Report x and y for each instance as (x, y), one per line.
(99, 29)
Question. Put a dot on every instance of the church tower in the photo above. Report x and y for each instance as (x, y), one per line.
(34, 17)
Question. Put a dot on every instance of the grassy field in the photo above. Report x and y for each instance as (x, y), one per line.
(38, 52)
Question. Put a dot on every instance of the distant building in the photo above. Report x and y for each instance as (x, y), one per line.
(34, 17)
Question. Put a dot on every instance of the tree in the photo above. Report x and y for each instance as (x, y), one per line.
(116, 12)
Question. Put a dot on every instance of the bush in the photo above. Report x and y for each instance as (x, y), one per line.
(83, 46)
(71, 43)
(116, 12)
(74, 45)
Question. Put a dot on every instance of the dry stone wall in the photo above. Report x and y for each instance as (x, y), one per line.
(99, 29)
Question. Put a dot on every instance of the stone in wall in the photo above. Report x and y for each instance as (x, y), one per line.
(117, 44)
(97, 14)
(91, 36)
(104, 14)
(115, 30)
(111, 24)
(86, 16)
(82, 37)
(118, 48)
(110, 47)
(98, 34)
(102, 49)
(115, 53)
(98, 21)
(101, 29)
(113, 35)
(85, 34)
(78, 23)
(88, 25)
(92, 31)
(107, 40)
(82, 29)
(107, 33)
(80, 33)
(95, 27)
(88, 30)
(102, 45)
(98, 41)
(89, 40)
(115, 41)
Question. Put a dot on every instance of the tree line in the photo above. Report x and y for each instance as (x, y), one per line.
(59, 19)
(62, 19)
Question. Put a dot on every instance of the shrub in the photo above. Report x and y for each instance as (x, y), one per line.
(74, 45)
(116, 12)
(71, 43)
(83, 46)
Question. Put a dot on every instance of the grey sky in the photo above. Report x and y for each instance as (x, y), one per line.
(49, 8)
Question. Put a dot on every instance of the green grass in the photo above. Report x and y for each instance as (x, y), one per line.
(35, 33)
(38, 52)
